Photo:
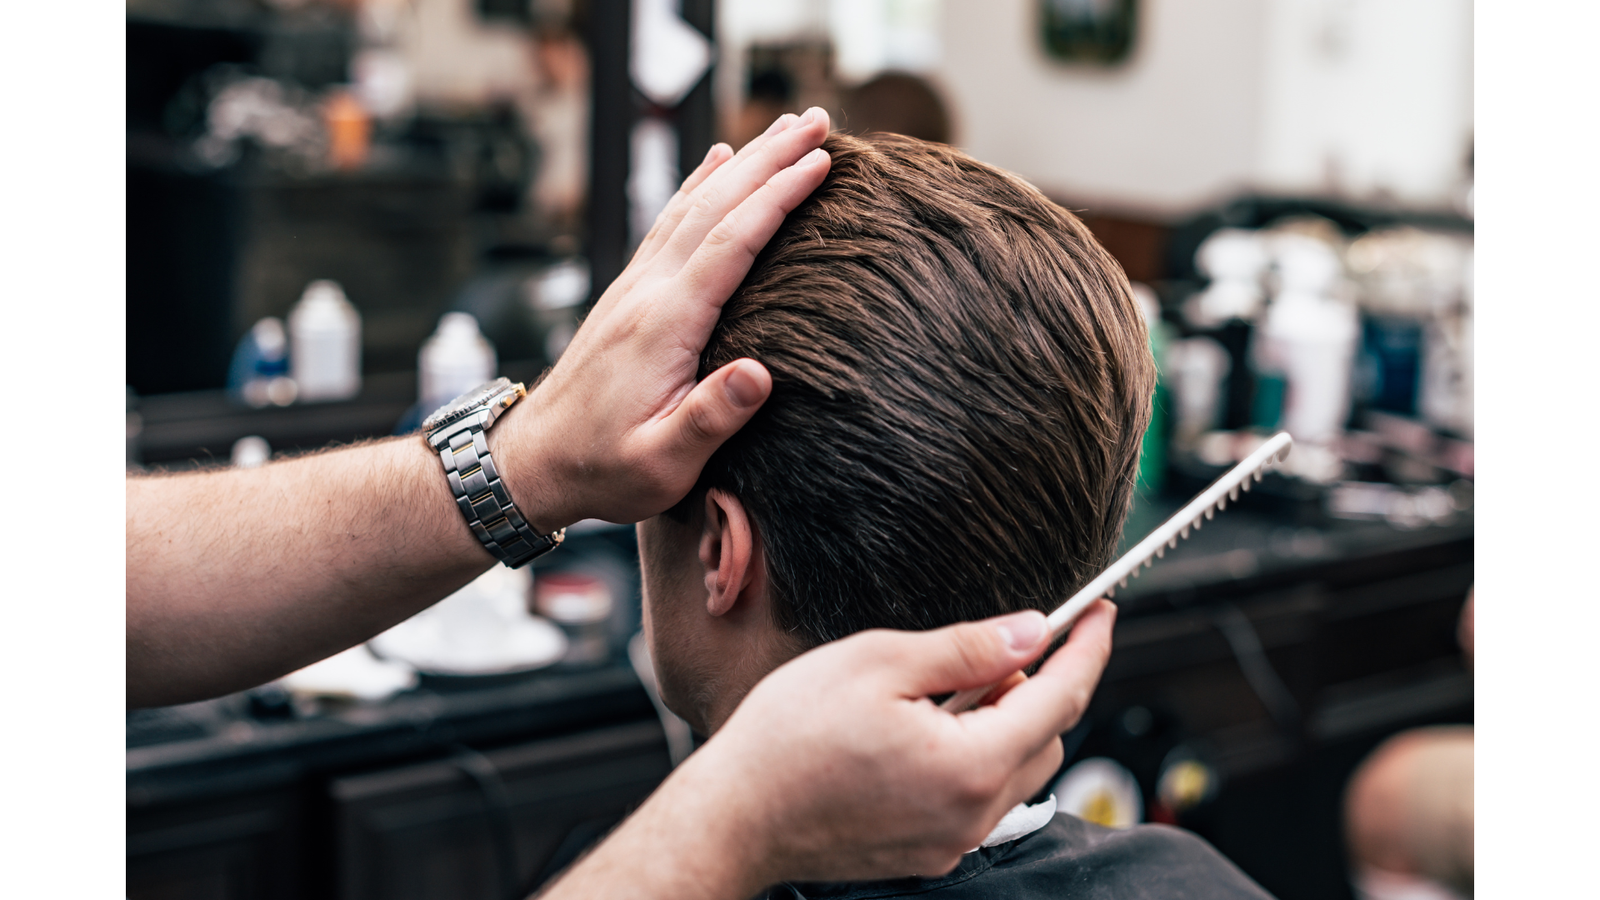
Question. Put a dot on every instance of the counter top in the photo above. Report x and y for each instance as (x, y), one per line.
(1246, 547)
(218, 746)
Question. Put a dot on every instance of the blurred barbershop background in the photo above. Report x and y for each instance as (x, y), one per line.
(342, 213)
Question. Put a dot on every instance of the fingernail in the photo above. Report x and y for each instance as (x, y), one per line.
(783, 123)
(710, 153)
(1023, 630)
(743, 388)
(814, 157)
(812, 114)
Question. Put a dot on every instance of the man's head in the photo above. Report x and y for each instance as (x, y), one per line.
(961, 380)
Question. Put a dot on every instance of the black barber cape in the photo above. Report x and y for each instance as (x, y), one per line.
(1068, 858)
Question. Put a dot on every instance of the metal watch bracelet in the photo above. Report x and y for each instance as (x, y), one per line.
(486, 504)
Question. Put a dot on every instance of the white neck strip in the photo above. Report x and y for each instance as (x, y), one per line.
(1021, 821)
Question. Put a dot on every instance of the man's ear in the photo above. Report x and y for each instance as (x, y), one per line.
(727, 551)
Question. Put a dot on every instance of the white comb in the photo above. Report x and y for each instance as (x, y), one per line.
(1200, 509)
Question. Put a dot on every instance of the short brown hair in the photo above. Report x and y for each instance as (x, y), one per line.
(961, 379)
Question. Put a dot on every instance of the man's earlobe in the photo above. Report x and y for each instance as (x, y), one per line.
(727, 545)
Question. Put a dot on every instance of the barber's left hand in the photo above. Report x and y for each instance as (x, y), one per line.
(620, 429)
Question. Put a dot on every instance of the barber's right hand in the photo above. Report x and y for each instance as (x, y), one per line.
(857, 774)
(620, 428)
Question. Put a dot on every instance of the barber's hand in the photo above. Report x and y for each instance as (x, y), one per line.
(867, 778)
(837, 766)
(620, 429)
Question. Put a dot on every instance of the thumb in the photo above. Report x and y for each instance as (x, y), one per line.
(1057, 696)
(974, 654)
(717, 408)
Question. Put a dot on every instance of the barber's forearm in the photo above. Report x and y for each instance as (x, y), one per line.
(235, 577)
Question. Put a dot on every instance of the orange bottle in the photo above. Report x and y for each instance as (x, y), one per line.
(349, 130)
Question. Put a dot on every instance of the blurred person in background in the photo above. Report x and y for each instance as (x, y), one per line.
(1409, 810)
(897, 103)
(769, 94)
(560, 108)
(238, 576)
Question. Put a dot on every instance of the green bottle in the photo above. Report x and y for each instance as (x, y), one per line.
(1153, 449)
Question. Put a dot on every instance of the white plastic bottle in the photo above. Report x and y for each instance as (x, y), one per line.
(1310, 335)
(456, 359)
(325, 344)
(1234, 260)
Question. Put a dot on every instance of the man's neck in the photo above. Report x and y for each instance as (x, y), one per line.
(746, 667)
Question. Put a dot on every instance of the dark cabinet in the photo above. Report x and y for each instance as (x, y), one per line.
(479, 790)
(239, 848)
(490, 826)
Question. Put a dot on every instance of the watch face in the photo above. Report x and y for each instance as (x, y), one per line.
(465, 403)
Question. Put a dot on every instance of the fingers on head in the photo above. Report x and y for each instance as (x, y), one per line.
(720, 260)
(770, 154)
(717, 407)
(736, 180)
(810, 119)
(779, 125)
(715, 157)
(666, 223)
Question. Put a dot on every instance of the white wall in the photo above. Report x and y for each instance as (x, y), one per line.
(1171, 128)
(1359, 97)
(1368, 97)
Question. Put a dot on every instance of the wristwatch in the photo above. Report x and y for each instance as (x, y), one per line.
(456, 432)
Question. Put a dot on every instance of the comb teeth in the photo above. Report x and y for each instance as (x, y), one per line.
(1191, 517)
(1199, 520)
